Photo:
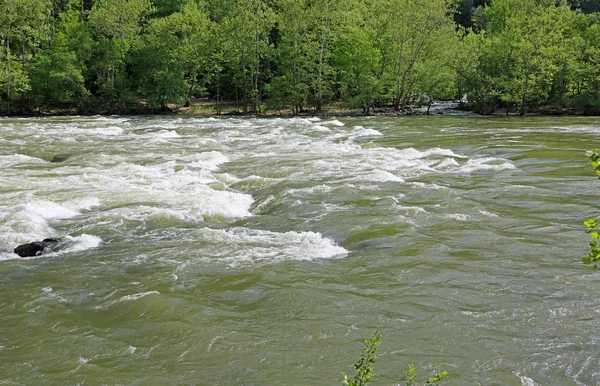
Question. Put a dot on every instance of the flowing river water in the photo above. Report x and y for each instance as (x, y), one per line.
(262, 251)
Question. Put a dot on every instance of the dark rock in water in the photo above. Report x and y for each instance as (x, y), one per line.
(36, 248)
(59, 158)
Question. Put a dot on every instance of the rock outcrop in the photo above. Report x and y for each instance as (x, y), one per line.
(36, 248)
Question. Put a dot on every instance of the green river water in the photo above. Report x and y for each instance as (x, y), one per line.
(262, 251)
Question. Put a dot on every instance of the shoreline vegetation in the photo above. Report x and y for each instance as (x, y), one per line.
(298, 57)
(207, 108)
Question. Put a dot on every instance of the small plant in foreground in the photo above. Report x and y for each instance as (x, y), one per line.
(594, 255)
(593, 230)
(364, 367)
(411, 375)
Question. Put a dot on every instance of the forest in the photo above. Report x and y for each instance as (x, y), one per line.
(301, 55)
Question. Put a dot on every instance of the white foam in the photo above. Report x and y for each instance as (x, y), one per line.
(85, 203)
(210, 160)
(112, 119)
(108, 131)
(333, 122)
(579, 129)
(81, 243)
(488, 214)
(526, 381)
(4, 256)
(311, 190)
(197, 204)
(167, 134)
(486, 164)
(413, 209)
(7, 161)
(442, 152)
(447, 164)
(173, 191)
(429, 186)
(30, 221)
(382, 176)
(49, 210)
(360, 131)
(458, 216)
(160, 125)
(132, 297)
(243, 246)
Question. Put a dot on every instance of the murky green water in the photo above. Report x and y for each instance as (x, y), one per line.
(261, 251)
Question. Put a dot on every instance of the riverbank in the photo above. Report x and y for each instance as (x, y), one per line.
(197, 107)
(207, 107)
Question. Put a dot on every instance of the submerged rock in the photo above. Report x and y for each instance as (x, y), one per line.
(36, 248)
(58, 158)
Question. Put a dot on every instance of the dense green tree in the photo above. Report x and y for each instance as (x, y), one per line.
(117, 26)
(23, 29)
(523, 54)
(173, 55)
(326, 16)
(410, 25)
(435, 75)
(585, 88)
(296, 49)
(59, 71)
(358, 59)
(526, 55)
(585, 6)
(463, 12)
(246, 26)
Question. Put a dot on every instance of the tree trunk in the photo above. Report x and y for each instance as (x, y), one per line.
(524, 96)
(319, 101)
(218, 101)
(8, 75)
(319, 98)
(398, 96)
(245, 93)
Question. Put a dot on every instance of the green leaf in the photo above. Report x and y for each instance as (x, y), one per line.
(587, 260)
(595, 235)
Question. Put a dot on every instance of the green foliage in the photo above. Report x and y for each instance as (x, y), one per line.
(593, 256)
(298, 54)
(59, 71)
(116, 26)
(23, 29)
(594, 158)
(364, 366)
(358, 61)
(171, 56)
(410, 377)
(593, 229)
(527, 56)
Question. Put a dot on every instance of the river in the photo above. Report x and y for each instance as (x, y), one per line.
(246, 251)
